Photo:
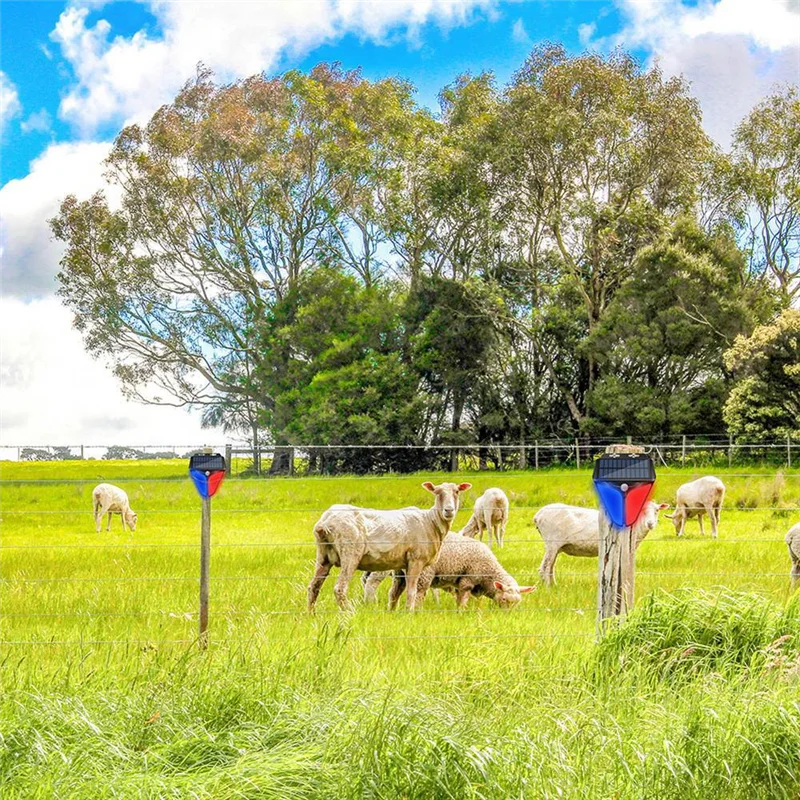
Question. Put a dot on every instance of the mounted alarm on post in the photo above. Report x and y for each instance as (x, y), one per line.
(207, 471)
(624, 484)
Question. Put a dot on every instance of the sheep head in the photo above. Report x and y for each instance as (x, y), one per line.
(446, 497)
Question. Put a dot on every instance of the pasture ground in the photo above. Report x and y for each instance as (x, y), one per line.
(104, 693)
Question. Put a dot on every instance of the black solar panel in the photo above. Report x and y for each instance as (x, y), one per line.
(207, 462)
(630, 468)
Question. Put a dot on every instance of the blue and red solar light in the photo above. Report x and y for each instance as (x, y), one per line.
(624, 484)
(207, 471)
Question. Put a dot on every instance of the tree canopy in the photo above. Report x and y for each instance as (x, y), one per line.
(315, 258)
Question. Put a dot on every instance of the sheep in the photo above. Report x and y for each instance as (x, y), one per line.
(696, 498)
(491, 514)
(465, 567)
(575, 531)
(793, 540)
(110, 499)
(363, 538)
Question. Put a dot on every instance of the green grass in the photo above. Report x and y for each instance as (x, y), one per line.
(697, 695)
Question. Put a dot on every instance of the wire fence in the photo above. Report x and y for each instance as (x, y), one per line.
(332, 459)
(20, 583)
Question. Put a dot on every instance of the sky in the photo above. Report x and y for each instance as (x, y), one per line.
(73, 74)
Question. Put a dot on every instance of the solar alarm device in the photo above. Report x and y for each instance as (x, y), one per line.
(207, 471)
(624, 484)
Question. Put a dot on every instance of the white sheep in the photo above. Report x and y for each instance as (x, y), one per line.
(574, 530)
(465, 567)
(793, 540)
(110, 499)
(367, 539)
(696, 498)
(490, 514)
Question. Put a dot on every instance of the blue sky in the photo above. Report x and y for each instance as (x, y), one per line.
(73, 73)
(498, 41)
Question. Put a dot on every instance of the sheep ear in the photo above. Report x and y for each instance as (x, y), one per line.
(526, 589)
(662, 506)
(428, 485)
(462, 487)
(499, 586)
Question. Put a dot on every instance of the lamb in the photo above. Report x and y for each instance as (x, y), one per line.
(793, 540)
(574, 531)
(110, 499)
(367, 539)
(465, 567)
(491, 514)
(696, 498)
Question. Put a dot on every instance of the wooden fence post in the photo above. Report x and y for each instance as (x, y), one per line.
(228, 458)
(291, 460)
(577, 454)
(789, 451)
(730, 450)
(683, 451)
(536, 454)
(205, 566)
(522, 462)
(616, 574)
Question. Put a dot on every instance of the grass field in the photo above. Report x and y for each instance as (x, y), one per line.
(104, 693)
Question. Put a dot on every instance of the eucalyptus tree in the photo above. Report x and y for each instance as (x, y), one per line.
(597, 153)
(766, 170)
(228, 196)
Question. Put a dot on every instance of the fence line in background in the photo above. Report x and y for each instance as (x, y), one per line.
(321, 458)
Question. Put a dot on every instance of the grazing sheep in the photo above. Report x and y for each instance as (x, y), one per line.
(491, 514)
(574, 531)
(696, 498)
(110, 499)
(793, 540)
(465, 567)
(363, 538)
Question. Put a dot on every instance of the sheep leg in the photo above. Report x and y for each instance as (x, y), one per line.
(122, 517)
(323, 567)
(372, 580)
(346, 572)
(397, 589)
(501, 532)
(99, 511)
(547, 571)
(713, 518)
(462, 596)
(795, 573)
(700, 520)
(683, 524)
(412, 579)
(108, 527)
(424, 583)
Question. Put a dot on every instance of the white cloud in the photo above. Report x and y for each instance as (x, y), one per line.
(54, 393)
(28, 255)
(129, 77)
(731, 51)
(39, 122)
(10, 105)
(519, 34)
(585, 33)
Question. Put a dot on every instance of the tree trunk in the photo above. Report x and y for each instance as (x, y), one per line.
(281, 461)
